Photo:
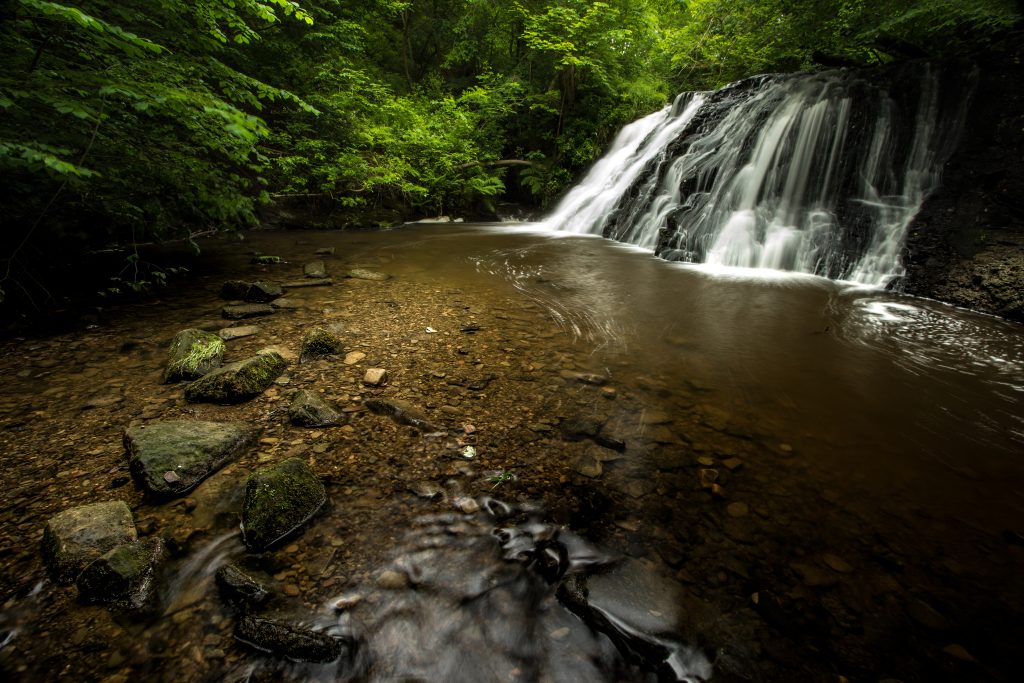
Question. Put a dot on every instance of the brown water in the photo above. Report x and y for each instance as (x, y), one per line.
(868, 449)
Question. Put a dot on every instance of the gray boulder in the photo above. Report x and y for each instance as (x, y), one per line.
(124, 576)
(74, 538)
(171, 458)
(193, 354)
(279, 500)
(237, 382)
(318, 343)
(308, 409)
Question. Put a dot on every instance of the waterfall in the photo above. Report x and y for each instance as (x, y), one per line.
(817, 173)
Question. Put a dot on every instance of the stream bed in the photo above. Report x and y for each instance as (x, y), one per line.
(792, 479)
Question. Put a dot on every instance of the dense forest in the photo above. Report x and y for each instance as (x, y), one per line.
(132, 121)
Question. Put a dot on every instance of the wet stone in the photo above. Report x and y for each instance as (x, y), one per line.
(188, 450)
(286, 304)
(319, 343)
(125, 575)
(308, 409)
(354, 357)
(278, 501)
(392, 580)
(193, 354)
(299, 284)
(366, 274)
(230, 333)
(243, 311)
(375, 377)
(315, 269)
(74, 538)
(426, 489)
(402, 413)
(324, 251)
(289, 641)
(237, 382)
(580, 428)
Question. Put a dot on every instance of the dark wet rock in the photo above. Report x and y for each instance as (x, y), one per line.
(125, 576)
(233, 290)
(366, 274)
(299, 284)
(237, 382)
(319, 343)
(238, 588)
(193, 354)
(375, 377)
(230, 333)
(242, 311)
(315, 270)
(648, 616)
(170, 458)
(279, 500)
(263, 292)
(580, 428)
(402, 413)
(289, 641)
(74, 538)
(308, 409)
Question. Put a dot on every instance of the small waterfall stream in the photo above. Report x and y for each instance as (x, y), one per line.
(816, 173)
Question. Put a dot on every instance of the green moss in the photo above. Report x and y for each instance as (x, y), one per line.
(193, 354)
(237, 382)
(279, 500)
(318, 343)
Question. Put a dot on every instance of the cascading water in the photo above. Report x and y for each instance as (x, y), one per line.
(816, 173)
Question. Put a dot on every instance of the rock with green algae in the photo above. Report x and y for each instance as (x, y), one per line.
(237, 382)
(193, 353)
(308, 409)
(171, 457)
(279, 500)
(125, 576)
(318, 343)
(73, 538)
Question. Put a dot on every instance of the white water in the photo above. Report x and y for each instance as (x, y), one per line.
(813, 173)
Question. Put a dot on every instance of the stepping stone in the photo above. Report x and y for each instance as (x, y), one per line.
(193, 354)
(229, 333)
(237, 382)
(316, 269)
(74, 538)
(172, 457)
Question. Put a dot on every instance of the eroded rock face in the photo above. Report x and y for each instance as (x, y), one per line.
(193, 354)
(237, 382)
(308, 409)
(172, 457)
(124, 576)
(279, 500)
(74, 538)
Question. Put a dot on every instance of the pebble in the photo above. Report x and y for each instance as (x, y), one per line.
(737, 509)
(375, 377)
(347, 602)
(354, 357)
(389, 579)
(706, 461)
(467, 505)
(291, 590)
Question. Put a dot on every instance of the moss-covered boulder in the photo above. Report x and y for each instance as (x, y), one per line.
(319, 343)
(125, 576)
(74, 538)
(170, 458)
(193, 354)
(279, 500)
(308, 409)
(237, 382)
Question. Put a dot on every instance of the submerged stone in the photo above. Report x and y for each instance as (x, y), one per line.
(238, 588)
(318, 343)
(315, 270)
(366, 274)
(124, 576)
(170, 458)
(279, 500)
(289, 640)
(74, 538)
(237, 382)
(193, 354)
(402, 413)
(298, 284)
(243, 311)
(308, 409)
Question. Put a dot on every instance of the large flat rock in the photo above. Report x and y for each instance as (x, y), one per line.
(75, 537)
(172, 457)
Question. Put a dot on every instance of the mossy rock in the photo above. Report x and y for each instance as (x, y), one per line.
(193, 354)
(318, 343)
(237, 382)
(278, 501)
(125, 576)
(171, 457)
(74, 538)
(308, 409)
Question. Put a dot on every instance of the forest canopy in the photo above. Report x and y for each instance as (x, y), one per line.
(131, 120)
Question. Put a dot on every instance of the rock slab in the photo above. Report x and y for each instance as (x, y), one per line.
(279, 500)
(188, 451)
(74, 538)
(237, 382)
(193, 353)
(308, 409)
